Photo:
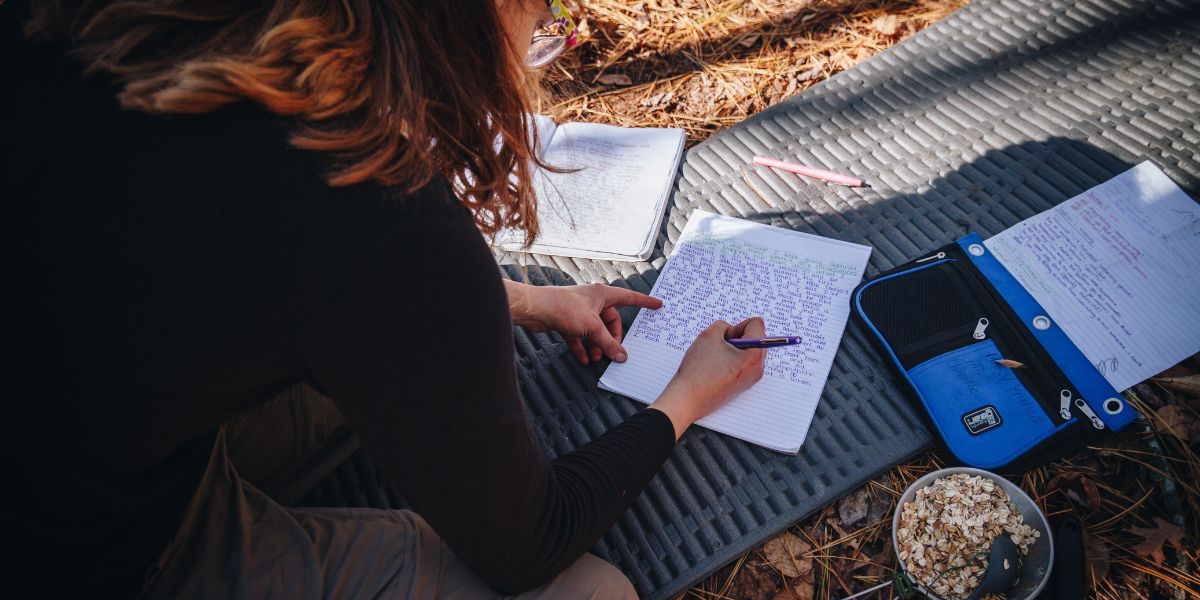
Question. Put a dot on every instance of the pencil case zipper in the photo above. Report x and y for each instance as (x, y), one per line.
(1040, 374)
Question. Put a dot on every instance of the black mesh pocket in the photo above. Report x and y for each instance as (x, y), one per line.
(920, 305)
(928, 309)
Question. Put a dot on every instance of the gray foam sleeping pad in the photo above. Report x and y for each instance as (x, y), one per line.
(1000, 111)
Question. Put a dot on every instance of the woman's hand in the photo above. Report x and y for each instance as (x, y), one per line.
(585, 315)
(711, 373)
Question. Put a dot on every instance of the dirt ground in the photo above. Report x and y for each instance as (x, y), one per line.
(704, 65)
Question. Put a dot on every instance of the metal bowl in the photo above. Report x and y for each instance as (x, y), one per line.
(1035, 566)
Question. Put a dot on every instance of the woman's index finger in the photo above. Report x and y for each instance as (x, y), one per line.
(623, 297)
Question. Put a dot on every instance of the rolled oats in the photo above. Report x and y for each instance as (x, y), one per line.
(949, 525)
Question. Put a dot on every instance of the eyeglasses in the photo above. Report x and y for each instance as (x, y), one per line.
(551, 40)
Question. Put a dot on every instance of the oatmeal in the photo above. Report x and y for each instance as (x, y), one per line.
(948, 524)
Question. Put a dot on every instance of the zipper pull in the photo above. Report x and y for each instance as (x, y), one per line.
(1064, 405)
(1087, 410)
(980, 327)
(939, 255)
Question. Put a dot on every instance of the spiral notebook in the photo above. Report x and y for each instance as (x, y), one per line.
(611, 201)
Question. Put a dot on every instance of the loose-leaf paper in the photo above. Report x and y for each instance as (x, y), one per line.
(1176, 421)
(1117, 268)
(786, 553)
(1155, 537)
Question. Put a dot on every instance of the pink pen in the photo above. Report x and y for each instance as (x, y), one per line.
(813, 172)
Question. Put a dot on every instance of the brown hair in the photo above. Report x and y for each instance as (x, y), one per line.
(395, 91)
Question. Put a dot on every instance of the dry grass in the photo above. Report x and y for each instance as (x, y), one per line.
(703, 65)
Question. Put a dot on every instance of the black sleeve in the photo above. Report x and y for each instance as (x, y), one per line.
(416, 349)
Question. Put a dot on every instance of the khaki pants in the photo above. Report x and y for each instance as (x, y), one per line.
(238, 541)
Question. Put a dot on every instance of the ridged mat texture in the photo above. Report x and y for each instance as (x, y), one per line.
(1000, 111)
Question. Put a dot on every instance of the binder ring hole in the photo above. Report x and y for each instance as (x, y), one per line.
(975, 249)
(1041, 322)
(1113, 406)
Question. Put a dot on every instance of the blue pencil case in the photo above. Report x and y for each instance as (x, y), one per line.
(1003, 386)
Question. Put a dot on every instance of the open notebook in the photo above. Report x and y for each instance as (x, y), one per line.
(727, 268)
(612, 203)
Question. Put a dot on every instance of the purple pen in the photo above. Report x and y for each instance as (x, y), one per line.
(765, 342)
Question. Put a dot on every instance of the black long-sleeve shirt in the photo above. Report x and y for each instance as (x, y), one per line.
(169, 272)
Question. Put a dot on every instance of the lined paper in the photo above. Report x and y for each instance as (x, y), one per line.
(1118, 268)
(611, 202)
(731, 269)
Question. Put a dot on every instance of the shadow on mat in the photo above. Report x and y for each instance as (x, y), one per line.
(1129, 26)
(986, 195)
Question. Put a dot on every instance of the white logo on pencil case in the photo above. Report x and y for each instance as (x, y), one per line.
(982, 419)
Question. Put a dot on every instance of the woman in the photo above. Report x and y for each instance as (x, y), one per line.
(218, 201)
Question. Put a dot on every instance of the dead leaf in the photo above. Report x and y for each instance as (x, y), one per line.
(885, 24)
(748, 41)
(1098, 558)
(853, 507)
(754, 581)
(834, 523)
(875, 566)
(811, 73)
(842, 60)
(1010, 364)
(1188, 385)
(790, 89)
(643, 18)
(1078, 488)
(1150, 395)
(1155, 537)
(881, 505)
(846, 59)
(615, 79)
(657, 99)
(805, 591)
(1176, 421)
(860, 54)
(786, 553)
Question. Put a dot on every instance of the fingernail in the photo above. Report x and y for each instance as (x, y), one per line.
(621, 356)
